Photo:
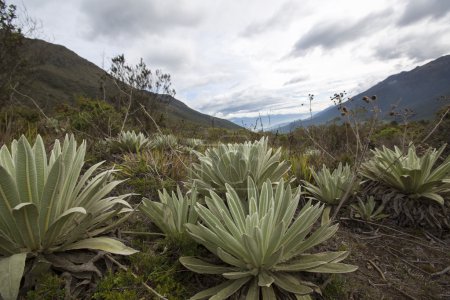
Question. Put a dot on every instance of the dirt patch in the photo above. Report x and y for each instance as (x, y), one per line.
(394, 263)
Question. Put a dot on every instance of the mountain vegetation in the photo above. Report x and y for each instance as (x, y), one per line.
(131, 195)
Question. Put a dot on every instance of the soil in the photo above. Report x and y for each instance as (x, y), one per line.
(393, 262)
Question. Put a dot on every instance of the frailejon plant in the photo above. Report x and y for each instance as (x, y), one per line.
(265, 247)
(408, 173)
(47, 206)
(164, 142)
(330, 187)
(412, 186)
(193, 143)
(129, 141)
(172, 212)
(233, 164)
(366, 210)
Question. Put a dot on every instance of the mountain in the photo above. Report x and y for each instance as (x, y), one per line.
(59, 76)
(418, 90)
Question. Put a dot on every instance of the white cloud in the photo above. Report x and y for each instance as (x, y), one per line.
(242, 58)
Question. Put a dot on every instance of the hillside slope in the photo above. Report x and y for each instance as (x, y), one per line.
(60, 76)
(418, 89)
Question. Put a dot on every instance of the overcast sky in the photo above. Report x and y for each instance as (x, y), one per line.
(241, 58)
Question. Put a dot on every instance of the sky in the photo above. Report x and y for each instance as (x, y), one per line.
(248, 58)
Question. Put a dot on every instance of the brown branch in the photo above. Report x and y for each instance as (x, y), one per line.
(437, 125)
(441, 272)
(378, 269)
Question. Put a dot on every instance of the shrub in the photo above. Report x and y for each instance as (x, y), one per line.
(95, 117)
(152, 170)
(45, 206)
(263, 245)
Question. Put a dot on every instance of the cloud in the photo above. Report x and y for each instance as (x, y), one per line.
(418, 10)
(242, 101)
(414, 46)
(252, 101)
(171, 54)
(116, 18)
(279, 19)
(329, 35)
(296, 79)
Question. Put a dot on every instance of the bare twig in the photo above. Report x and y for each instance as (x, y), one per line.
(405, 261)
(436, 126)
(403, 292)
(377, 268)
(32, 100)
(441, 272)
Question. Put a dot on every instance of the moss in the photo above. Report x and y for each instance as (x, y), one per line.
(119, 286)
(163, 273)
(335, 289)
(48, 286)
(149, 186)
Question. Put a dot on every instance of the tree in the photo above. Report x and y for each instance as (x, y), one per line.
(11, 39)
(137, 80)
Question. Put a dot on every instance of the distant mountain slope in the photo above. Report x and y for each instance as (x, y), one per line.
(417, 89)
(60, 76)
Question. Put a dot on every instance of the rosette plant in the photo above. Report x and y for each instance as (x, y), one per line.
(329, 186)
(264, 246)
(412, 186)
(164, 142)
(129, 141)
(233, 164)
(368, 210)
(172, 211)
(47, 206)
(408, 173)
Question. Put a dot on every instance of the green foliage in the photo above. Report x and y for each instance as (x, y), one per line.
(336, 288)
(95, 117)
(164, 274)
(46, 206)
(48, 286)
(128, 141)
(409, 173)
(11, 39)
(157, 266)
(118, 286)
(330, 187)
(387, 134)
(152, 170)
(172, 212)
(234, 164)
(366, 210)
(264, 246)
(18, 119)
(300, 166)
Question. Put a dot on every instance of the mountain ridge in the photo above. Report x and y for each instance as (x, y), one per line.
(417, 89)
(60, 76)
